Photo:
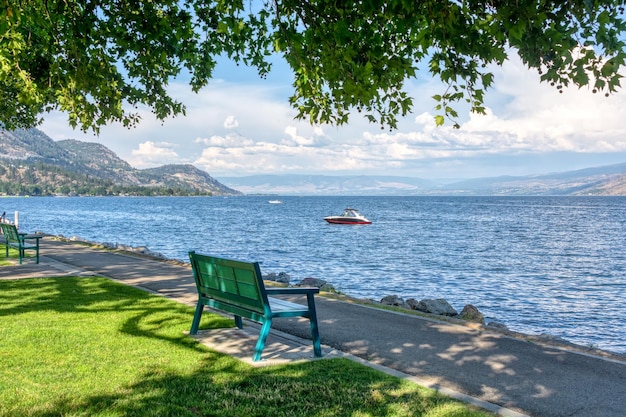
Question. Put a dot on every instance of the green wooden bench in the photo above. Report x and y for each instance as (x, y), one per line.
(237, 287)
(19, 241)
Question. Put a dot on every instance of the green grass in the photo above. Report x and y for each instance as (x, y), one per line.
(4, 260)
(94, 347)
(13, 257)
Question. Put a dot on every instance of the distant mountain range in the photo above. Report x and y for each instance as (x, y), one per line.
(606, 180)
(31, 163)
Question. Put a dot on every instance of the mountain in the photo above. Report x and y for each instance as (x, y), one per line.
(95, 157)
(606, 180)
(329, 185)
(32, 163)
(185, 175)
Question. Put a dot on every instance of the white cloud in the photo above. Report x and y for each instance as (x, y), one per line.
(296, 139)
(227, 141)
(316, 137)
(545, 120)
(150, 154)
(231, 122)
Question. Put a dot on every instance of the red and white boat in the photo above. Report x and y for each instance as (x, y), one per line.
(349, 216)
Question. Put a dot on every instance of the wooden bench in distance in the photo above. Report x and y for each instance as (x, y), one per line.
(237, 287)
(19, 241)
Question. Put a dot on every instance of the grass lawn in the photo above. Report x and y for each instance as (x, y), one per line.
(94, 347)
(4, 260)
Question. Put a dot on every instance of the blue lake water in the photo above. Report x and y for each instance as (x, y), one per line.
(554, 265)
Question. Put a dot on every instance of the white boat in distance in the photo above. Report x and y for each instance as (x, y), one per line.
(275, 202)
(349, 216)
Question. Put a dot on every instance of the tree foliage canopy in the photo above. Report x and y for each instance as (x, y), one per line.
(96, 59)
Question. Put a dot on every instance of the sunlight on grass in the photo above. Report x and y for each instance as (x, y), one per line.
(93, 347)
(13, 254)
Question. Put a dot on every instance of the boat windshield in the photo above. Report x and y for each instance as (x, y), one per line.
(350, 213)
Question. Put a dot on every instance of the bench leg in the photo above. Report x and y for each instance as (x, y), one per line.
(315, 333)
(238, 322)
(196, 318)
(260, 344)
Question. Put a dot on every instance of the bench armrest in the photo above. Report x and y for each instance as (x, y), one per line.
(26, 236)
(292, 290)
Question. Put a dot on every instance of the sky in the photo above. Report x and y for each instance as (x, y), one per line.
(242, 125)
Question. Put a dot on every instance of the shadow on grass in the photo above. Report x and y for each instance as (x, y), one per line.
(223, 387)
(151, 368)
(145, 315)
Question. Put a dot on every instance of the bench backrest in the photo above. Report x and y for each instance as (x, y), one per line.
(10, 232)
(232, 282)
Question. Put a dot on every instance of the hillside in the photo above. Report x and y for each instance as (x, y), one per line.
(33, 164)
(606, 180)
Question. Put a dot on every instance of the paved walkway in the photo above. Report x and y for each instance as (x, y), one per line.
(508, 375)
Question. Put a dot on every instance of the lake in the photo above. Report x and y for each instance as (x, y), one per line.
(540, 265)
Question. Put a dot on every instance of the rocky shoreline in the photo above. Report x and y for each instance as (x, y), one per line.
(437, 309)
(440, 309)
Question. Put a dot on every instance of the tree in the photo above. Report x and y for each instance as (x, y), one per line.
(96, 58)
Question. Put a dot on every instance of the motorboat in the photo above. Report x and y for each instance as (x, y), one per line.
(276, 202)
(349, 216)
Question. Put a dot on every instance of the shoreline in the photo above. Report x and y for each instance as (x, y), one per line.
(483, 252)
(541, 340)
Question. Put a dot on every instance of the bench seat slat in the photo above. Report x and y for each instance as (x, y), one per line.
(278, 305)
